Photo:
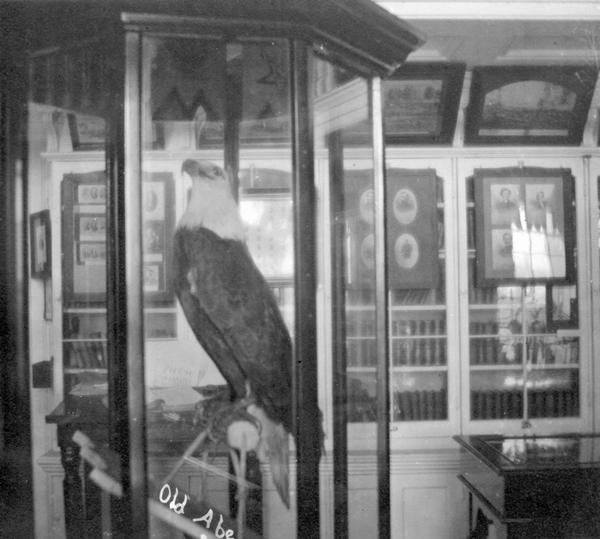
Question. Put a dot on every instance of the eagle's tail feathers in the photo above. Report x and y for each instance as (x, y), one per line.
(274, 449)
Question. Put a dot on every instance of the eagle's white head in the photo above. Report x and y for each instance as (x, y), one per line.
(211, 204)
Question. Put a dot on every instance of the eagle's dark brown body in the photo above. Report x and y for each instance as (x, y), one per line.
(235, 317)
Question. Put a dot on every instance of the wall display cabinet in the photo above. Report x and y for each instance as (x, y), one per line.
(517, 347)
(479, 357)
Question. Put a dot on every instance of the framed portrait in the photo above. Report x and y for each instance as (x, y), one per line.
(91, 227)
(40, 245)
(529, 105)
(152, 277)
(421, 103)
(87, 132)
(158, 223)
(91, 193)
(91, 253)
(524, 225)
(562, 311)
(412, 229)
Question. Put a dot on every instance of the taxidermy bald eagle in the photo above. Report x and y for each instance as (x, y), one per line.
(232, 311)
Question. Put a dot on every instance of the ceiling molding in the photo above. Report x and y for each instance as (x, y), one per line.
(549, 49)
(489, 9)
(437, 49)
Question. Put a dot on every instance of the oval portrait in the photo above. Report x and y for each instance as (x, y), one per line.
(367, 251)
(365, 206)
(405, 206)
(406, 251)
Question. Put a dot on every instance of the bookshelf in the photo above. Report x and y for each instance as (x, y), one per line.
(523, 364)
(417, 332)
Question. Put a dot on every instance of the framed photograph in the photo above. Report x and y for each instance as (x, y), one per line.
(158, 225)
(562, 307)
(268, 221)
(153, 194)
(421, 103)
(92, 254)
(529, 105)
(84, 236)
(41, 245)
(91, 227)
(412, 230)
(524, 225)
(91, 193)
(87, 132)
(151, 278)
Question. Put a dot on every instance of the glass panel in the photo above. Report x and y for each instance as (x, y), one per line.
(418, 343)
(67, 189)
(216, 343)
(523, 346)
(343, 129)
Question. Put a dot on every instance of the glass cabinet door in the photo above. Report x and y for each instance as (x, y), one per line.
(344, 141)
(523, 338)
(68, 117)
(416, 281)
(218, 273)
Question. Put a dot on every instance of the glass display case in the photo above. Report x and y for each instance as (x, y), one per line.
(177, 155)
(532, 486)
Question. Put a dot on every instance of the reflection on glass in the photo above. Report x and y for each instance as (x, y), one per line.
(342, 121)
(542, 450)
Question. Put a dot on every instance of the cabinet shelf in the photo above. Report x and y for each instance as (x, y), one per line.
(411, 368)
(85, 340)
(499, 336)
(497, 306)
(420, 368)
(80, 370)
(419, 308)
(431, 336)
(531, 367)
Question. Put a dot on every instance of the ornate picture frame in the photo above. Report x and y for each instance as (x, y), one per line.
(529, 105)
(84, 236)
(421, 103)
(524, 225)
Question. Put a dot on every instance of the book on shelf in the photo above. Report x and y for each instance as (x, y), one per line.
(420, 405)
(500, 404)
(471, 228)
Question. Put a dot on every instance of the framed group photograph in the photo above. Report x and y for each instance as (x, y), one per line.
(87, 132)
(524, 225)
(85, 233)
(40, 245)
(529, 105)
(421, 103)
